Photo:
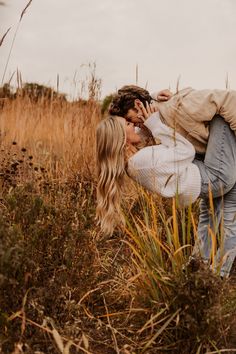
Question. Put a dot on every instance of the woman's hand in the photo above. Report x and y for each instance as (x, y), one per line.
(146, 111)
(164, 95)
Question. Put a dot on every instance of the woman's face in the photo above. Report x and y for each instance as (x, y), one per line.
(131, 136)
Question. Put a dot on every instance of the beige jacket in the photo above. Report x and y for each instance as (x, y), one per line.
(189, 112)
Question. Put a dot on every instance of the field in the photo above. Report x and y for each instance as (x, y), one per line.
(67, 288)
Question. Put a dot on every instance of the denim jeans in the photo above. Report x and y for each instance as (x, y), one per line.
(218, 173)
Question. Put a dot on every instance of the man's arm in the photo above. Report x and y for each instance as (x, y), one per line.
(203, 105)
(163, 95)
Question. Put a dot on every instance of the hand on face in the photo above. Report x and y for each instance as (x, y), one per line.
(140, 113)
(147, 110)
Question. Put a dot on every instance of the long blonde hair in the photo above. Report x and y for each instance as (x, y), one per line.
(111, 171)
(112, 162)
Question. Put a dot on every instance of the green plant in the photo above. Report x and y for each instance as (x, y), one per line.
(186, 305)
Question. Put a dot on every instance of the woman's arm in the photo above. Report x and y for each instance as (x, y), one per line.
(168, 136)
(167, 170)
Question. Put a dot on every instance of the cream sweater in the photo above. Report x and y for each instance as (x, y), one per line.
(189, 111)
(167, 169)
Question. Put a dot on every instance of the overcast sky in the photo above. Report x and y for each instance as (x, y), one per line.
(193, 39)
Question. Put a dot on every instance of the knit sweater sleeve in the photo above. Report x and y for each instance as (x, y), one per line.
(169, 137)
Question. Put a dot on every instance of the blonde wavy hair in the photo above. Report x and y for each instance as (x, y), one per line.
(111, 158)
(111, 171)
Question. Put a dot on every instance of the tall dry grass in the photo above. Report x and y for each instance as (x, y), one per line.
(189, 302)
(60, 135)
(95, 299)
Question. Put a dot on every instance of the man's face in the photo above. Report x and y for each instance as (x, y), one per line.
(133, 114)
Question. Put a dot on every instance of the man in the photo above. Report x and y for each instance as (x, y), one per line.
(189, 112)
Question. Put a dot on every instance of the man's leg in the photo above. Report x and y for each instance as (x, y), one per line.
(208, 226)
(223, 214)
(218, 171)
(227, 250)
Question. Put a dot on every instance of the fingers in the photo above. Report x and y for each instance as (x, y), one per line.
(144, 110)
(162, 98)
(151, 108)
(164, 95)
(147, 110)
(141, 118)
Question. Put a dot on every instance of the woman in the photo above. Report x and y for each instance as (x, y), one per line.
(167, 169)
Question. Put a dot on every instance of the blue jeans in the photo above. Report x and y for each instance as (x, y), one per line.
(218, 173)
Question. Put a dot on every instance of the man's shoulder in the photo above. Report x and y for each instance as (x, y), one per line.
(183, 92)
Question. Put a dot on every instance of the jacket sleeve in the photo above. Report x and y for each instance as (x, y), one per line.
(202, 105)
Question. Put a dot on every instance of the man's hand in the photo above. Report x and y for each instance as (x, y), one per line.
(164, 95)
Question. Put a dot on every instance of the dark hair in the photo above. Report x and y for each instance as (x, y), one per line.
(125, 97)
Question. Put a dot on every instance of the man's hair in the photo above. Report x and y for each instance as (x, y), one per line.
(125, 97)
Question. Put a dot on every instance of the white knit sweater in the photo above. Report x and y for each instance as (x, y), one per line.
(167, 169)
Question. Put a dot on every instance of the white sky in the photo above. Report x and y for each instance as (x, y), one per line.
(194, 39)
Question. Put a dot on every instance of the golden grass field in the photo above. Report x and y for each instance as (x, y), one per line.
(65, 287)
(60, 135)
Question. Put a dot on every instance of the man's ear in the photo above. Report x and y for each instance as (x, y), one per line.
(137, 103)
